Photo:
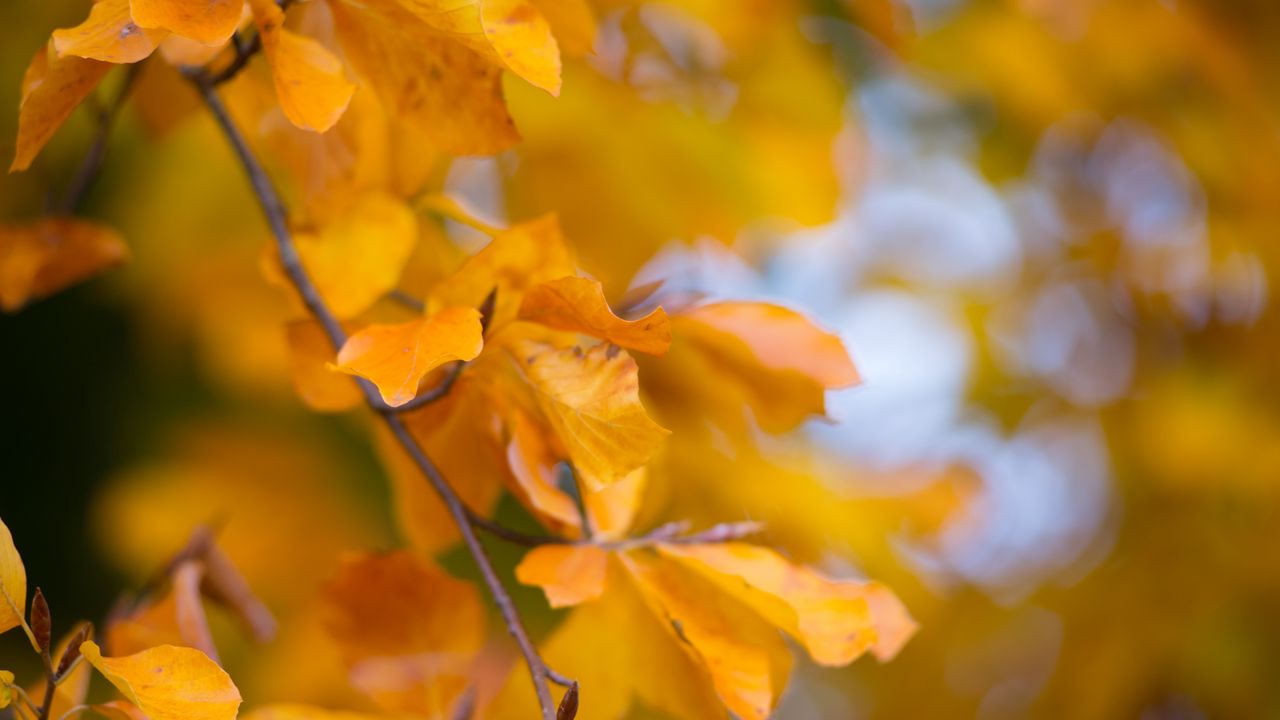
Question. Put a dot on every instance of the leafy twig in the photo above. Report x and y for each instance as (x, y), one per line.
(91, 165)
(291, 262)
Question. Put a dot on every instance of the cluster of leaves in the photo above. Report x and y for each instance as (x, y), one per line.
(506, 368)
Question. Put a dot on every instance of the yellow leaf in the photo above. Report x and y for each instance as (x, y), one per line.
(6, 694)
(836, 620)
(312, 88)
(52, 254)
(578, 305)
(13, 582)
(310, 354)
(508, 33)
(533, 465)
(109, 34)
(612, 509)
(406, 629)
(568, 574)
(358, 256)
(781, 339)
(395, 358)
(51, 88)
(292, 711)
(178, 50)
(170, 683)
(207, 21)
(592, 399)
(433, 82)
(515, 260)
(747, 660)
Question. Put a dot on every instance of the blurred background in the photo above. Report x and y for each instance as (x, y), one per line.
(1046, 230)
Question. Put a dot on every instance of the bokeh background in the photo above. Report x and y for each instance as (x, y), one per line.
(1046, 230)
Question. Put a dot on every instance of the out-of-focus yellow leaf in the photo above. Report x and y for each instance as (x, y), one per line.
(748, 662)
(52, 254)
(6, 694)
(395, 358)
(108, 34)
(514, 261)
(533, 466)
(293, 711)
(835, 620)
(568, 574)
(578, 305)
(119, 710)
(407, 630)
(310, 354)
(51, 88)
(170, 683)
(592, 399)
(13, 582)
(573, 23)
(310, 83)
(426, 78)
(208, 21)
(359, 254)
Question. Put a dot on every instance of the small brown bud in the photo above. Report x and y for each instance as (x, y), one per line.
(73, 649)
(568, 709)
(41, 621)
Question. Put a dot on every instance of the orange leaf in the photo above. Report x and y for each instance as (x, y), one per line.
(533, 465)
(52, 254)
(312, 88)
(836, 620)
(592, 400)
(747, 660)
(781, 339)
(109, 34)
(13, 582)
(578, 305)
(568, 574)
(170, 683)
(51, 88)
(207, 21)
(396, 357)
(432, 81)
(407, 630)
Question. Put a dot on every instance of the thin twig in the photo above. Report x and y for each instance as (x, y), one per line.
(51, 684)
(290, 261)
(91, 166)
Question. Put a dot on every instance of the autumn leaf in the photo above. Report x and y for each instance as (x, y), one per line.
(573, 23)
(508, 33)
(109, 34)
(836, 620)
(118, 710)
(207, 21)
(359, 254)
(406, 629)
(396, 358)
(423, 77)
(6, 692)
(52, 87)
(310, 353)
(568, 574)
(169, 683)
(515, 260)
(310, 83)
(578, 305)
(13, 582)
(52, 254)
(592, 399)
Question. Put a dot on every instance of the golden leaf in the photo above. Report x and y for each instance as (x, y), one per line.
(170, 683)
(578, 305)
(395, 358)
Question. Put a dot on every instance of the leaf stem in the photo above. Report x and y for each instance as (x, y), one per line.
(276, 217)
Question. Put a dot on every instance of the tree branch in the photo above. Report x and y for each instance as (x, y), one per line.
(276, 216)
(91, 166)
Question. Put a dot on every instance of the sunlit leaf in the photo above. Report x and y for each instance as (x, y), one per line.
(578, 305)
(310, 83)
(51, 88)
(208, 21)
(568, 574)
(170, 683)
(396, 358)
(13, 582)
(109, 34)
(592, 399)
